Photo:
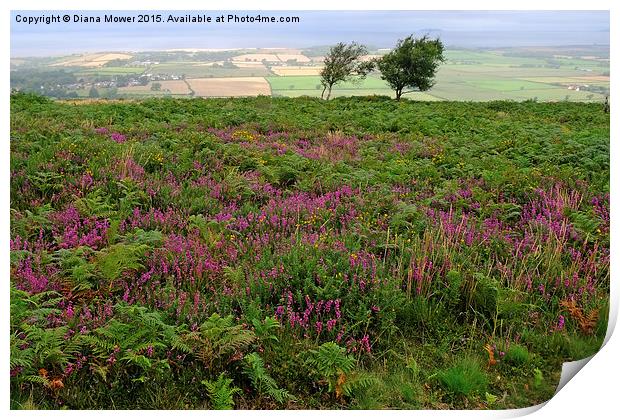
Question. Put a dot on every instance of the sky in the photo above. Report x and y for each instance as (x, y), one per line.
(381, 29)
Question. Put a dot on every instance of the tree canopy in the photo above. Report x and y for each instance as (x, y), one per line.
(344, 63)
(412, 64)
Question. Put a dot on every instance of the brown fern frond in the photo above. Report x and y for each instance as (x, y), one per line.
(342, 378)
(491, 353)
(572, 308)
(586, 323)
(56, 384)
(204, 356)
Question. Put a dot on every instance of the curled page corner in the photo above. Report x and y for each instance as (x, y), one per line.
(611, 324)
(569, 370)
(521, 412)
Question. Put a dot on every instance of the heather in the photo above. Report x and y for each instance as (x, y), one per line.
(293, 253)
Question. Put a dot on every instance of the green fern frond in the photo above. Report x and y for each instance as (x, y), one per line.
(221, 393)
(152, 238)
(217, 338)
(116, 259)
(266, 330)
(358, 382)
(178, 343)
(94, 204)
(21, 354)
(330, 359)
(137, 359)
(100, 346)
(35, 379)
(261, 380)
(233, 341)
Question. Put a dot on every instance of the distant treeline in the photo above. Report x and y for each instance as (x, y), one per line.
(48, 82)
(167, 56)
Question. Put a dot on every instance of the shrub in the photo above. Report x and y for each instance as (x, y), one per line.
(465, 378)
(517, 355)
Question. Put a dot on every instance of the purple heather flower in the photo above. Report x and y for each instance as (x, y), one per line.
(118, 137)
(560, 325)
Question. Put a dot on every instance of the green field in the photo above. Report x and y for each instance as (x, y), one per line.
(477, 76)
(294, 86)
(314, 82)
(507, 85)
(485, 58)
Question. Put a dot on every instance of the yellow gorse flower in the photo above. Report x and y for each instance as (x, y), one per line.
(243, 135)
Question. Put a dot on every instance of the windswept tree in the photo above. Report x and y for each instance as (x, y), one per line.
(344, 63)
(412, 64)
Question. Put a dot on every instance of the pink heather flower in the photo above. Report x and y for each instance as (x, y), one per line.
(112, 359)
(118, 137)
(30, 278)
(337, 308)
(69, 369)
(365, 343)
(351, 344)
(560, 325)
(319, 327)
(328, 305)
(319, 306)
(101, 130)
(86, 181)
(149, 351)
(86, 313)
(16, 371)
(331, 324)
(18, 243)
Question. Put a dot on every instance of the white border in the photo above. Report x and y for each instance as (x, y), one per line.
(592, 394)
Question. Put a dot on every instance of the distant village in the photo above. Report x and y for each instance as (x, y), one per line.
(125, 81)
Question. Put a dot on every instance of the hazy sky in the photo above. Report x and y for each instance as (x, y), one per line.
(376, 28)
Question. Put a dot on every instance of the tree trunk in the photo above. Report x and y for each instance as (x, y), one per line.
(399, 92)
(323, 93)
(329, 92)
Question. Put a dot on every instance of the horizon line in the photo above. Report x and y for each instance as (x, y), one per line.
(453, 47)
